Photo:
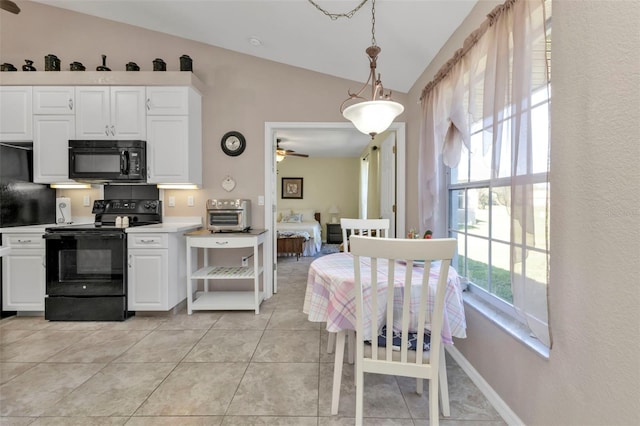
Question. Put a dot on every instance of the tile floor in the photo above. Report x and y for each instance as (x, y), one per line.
(210, 368)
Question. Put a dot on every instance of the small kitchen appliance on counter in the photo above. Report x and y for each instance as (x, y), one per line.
(86, 272)
(63, 210)
(229, 215)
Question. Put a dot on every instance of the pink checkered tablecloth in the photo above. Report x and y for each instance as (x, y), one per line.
(329, 296)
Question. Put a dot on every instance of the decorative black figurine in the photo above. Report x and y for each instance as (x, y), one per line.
(132, 66)
(103, 67)
(51, 63)
(159, 65)
(76, 66)
(29, 65)
(7, 67)
(186, 63)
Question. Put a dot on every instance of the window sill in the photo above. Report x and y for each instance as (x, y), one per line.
(507, 323)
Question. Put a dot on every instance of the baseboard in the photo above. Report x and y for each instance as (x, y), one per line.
(501, 407)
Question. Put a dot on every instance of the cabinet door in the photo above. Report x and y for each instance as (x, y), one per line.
(167, 100)
(54, 100)
(51, 134)
(92, 113)
(148, 281)
(23, 278)
(15, 113)
(128, 115)
(168, 149)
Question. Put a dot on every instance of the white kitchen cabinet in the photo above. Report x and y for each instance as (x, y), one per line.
(174, 135)
(233, 299)
(16, 109)
(113, 112)
(23, 272)
(51, 134)
(156, 279)
(54, 100)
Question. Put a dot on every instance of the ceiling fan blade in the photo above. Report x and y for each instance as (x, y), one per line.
(298, 155)
(9, 6)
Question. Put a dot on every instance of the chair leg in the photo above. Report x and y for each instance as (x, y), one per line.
(351, 345)
(359, 392)
(337, 372)
(434, 414)
(331, 343)
(444, 385)
(419, 386)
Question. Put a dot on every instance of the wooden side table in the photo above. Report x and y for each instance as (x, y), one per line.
(334, 233)
(291, 245)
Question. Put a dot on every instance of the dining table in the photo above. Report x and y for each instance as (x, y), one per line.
(329, 296)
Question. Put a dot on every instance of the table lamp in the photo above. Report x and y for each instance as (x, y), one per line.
(333, 211)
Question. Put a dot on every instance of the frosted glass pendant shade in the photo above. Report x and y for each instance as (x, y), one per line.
(373, 117)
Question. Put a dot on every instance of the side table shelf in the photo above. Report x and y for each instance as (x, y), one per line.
(225, 300)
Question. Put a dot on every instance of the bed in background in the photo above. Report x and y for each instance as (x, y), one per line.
(302, 222)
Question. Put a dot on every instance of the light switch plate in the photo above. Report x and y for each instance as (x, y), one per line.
(190, 201)
(86, 201)
(172, 201)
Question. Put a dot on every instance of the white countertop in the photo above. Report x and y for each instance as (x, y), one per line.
(170, 224)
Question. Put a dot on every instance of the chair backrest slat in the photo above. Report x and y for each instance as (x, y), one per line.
(370, 227)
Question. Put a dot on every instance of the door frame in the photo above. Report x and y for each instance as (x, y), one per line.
(270, 182)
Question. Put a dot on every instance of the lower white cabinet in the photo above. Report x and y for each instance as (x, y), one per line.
(157, 273)
(23, 272)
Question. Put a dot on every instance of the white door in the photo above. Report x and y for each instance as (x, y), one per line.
(168, 149)
(388, 182)
(92, 112)
(54, 100)
(15, 113)
(128, 114)
(23, 275)
(148, 280)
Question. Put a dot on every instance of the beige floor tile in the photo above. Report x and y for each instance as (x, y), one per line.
(8, 335)
(199, 320)
(99, 346)
(117, 390)
(162, 346)
(288, 346)
(291, 319)
(270, 421)
(39, 346)
(243, 321)
(277, 389)
(176, 420)
(225, 346)
(9, 370)
(80, 421)
(24, 323)
(137, 323)
(42, 386)
(195, 389)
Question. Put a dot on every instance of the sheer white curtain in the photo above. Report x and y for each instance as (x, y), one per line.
(496, 80)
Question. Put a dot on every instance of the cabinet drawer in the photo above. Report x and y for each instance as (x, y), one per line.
(148, 240)
(27, 241)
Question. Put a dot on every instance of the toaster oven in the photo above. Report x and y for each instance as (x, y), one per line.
(228, 215)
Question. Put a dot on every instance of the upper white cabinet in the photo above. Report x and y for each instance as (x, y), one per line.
(174, 135)
(54, 123)
(15, 113)
(115, 112)
(54, 100)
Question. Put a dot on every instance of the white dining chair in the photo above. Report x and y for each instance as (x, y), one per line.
(372, 227)
(397, 358)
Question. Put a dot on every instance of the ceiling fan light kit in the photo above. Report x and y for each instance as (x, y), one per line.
(375, 115)
(9, 6)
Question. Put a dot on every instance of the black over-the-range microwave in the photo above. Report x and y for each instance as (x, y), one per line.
(104, 161)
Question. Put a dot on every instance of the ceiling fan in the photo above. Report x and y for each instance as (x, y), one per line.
(287, 152)
(9, 6)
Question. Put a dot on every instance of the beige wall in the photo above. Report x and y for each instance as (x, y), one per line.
(327, 181)
(592, 376)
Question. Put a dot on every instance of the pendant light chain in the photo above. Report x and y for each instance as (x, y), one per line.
(335, 16)
(373, 22)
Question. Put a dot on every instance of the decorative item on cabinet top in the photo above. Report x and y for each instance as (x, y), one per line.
(28, 66)
(51, 63)
(159, 65)
(76, 66)
(103, 67)
(132, 66)
(186, 63)
(7, 67)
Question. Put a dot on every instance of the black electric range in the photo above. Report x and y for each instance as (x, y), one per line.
(86, 264)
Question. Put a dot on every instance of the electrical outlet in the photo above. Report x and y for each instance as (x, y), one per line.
(245, 261)
(172, 201)
(190, 201)
(86, 201)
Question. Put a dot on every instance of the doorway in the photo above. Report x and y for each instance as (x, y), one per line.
(397, 130)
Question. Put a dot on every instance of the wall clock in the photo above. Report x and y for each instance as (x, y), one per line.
(233, 143)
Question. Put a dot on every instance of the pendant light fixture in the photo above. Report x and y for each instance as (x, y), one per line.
(376, 115)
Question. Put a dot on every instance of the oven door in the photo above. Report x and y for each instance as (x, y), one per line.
(86, 264)
(226, 220)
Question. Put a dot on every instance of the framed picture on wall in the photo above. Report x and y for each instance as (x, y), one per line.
(292, 187)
